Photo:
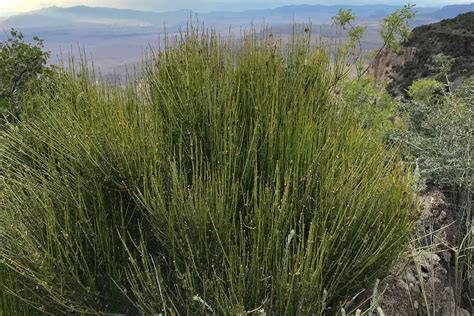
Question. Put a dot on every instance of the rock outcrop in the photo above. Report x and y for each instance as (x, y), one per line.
(383, 64)
(426, 282)
(451, 37)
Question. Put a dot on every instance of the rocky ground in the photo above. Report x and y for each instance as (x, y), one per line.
(424, 284)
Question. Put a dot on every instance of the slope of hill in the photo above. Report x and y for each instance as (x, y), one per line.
(453, 10)
(452, 37)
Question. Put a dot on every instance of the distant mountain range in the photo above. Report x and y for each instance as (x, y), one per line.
(115, 37)
(98, 17)
(452, 11)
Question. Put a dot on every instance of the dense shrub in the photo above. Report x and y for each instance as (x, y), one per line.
(227, 180)
(440, 132)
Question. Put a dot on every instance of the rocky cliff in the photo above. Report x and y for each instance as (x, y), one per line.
(452, 37)
(383, 65)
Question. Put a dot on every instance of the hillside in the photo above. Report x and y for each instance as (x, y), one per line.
(451, 37)
(453, 10)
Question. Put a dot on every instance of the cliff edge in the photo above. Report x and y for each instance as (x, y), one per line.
(452, 37)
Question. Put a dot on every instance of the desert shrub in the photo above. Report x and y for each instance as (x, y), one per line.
(425, 90)
(439, 132)
(227, 180)
(466, 91)
(439, 136)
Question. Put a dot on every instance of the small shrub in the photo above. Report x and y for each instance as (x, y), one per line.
(425, 90)
(440, 66)
(374, 109)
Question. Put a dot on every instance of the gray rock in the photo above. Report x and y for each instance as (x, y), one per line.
(424, 284)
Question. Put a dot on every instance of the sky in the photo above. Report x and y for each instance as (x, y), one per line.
(8, 7)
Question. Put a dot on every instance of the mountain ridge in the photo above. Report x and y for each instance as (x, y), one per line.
(283, 14)
(451, 37)
(286, 8)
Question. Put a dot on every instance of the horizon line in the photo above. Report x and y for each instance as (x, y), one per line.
(13, 13)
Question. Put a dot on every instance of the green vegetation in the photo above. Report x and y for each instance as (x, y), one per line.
(228, 179)
(439, 135)
(440, 67)
(21, 67)
(395, 29)
(462, 24)
(447, 44)
(432, 122)
(374, 109)
(425, 90)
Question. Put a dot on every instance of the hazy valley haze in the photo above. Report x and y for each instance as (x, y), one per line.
(115, 37)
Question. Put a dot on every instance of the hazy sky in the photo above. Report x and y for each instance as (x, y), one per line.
(11, 6)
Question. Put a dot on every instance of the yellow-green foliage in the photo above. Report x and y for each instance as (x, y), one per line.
(425, 90)
(375, 109)
(226, 180)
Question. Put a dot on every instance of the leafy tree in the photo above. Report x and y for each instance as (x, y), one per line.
(441, 66)
(22, 64)
(394, 30)
(374, 109)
